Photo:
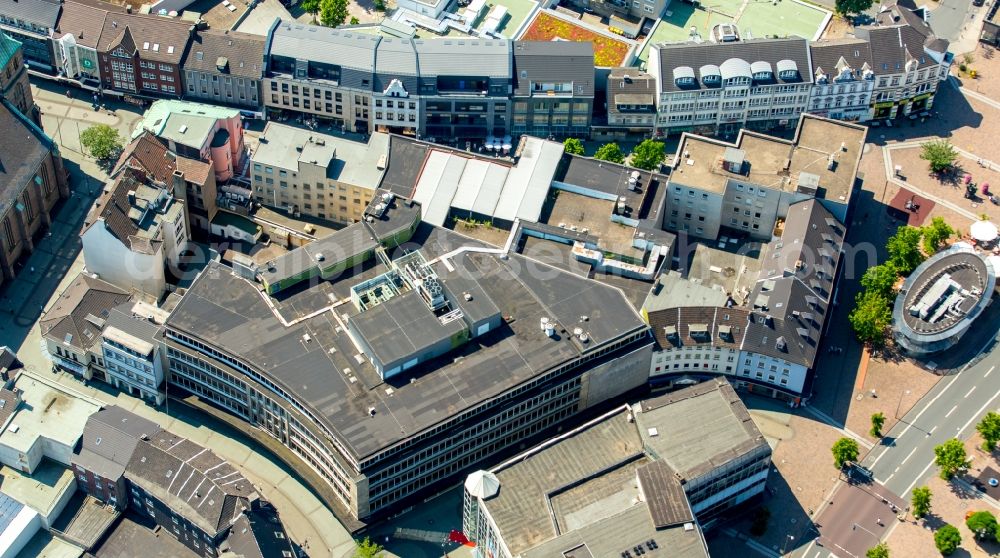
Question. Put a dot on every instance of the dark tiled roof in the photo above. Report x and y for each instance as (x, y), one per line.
(21, 153)
(243, 52)
(638, 89)
(84, 21)
(80, 311)
(43, 13)
(554, 62)
(827, 54)
(255, 534)
(892, 47)
(109, 440)
(113, 208)
(134, 31)
(147, 153)
(696, 55)
(8, 358)
(194, 482)
(8, 404)
(795, 285)
(724, 327)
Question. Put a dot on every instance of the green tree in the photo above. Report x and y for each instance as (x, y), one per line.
(573, 146)
(355, 21)
(982, 524)
(870, 318)
(904, 249)
(368, 549)
(935, 233)
(846, 7)
(878, 420)
(648, 155)
(989, 429)
(920, 501)
(878, 551)
(333, 13)
(939, 154)
(950, 456)
(947, 539)
(610, 152)
(844, 450)
(379, 5)
(881, 279)
(310, 6)
(102, 141)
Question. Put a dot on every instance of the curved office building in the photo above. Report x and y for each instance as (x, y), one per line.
(941, 299)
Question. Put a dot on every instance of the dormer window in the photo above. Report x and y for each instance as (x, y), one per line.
(761, 71)
(684, 76)
(788, 69)
(710, 75)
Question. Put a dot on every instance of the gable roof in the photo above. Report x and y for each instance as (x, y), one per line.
(78, 314)
(243, 53)
(827, 54)
(84, 21)
(155, 38)
(149, 154)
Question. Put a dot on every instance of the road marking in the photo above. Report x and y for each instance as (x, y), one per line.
(974, 417)
(988, 371)
(909, 455)
(931, 431)
(951, 411)
(890, 477)
(915, 419)
(970, 392)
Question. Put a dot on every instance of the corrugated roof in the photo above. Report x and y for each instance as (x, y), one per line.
(464, 57)
(322, 44)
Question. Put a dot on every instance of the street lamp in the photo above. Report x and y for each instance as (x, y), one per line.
(900, 403)
(784, 544)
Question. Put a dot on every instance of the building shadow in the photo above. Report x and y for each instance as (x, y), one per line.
(956, 113)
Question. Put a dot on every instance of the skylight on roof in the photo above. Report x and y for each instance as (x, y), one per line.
(145, 46)
(170, 49)
(156, 47)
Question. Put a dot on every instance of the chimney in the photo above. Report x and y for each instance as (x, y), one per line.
(179, 185)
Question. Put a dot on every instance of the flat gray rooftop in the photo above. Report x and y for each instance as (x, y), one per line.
(229, 313)
(965, 271)
(698, 427)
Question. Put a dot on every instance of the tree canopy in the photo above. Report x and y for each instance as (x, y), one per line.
(939, 154)
(333, 13)
(368, 549)
(989, 429)
(936, 232)
(610, 152)
(102, 141)
(881, 279)
(878, 551)
(871, 318)
(983, 525)
(847, 7)
(950, 457)
(648, 155)
(947, 539)
(573, 146)
(904, 249)
(920, 501)
(310, 6)
(878, 420)
(844, 450)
